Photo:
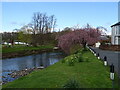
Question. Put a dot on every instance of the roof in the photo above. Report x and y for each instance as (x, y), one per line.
(103, 38)
(116, 24)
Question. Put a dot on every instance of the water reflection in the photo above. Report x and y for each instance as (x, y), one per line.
(32, 61)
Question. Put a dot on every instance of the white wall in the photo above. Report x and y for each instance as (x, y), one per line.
(97, 44)
(115, 34)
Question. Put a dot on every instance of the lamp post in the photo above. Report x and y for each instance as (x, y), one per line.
(98, 56)
(105, 61)
(94, 53)
(112, 74)
(90, 50)
(26, 68)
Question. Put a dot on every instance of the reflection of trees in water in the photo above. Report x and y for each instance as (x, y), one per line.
(34, 61)
(21, 64)
(40, 59)
(45, 59)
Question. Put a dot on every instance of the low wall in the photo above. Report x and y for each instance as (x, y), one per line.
(110, 47)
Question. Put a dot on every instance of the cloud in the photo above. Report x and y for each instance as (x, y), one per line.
(21, 24)
(14, 23)
(108, 24)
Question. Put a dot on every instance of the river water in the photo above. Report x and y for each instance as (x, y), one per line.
(32, 61)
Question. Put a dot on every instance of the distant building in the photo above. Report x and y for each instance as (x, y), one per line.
(115, 37)
(102, 39)
(97, 44)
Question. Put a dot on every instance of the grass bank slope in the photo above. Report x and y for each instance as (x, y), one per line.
(90, 74)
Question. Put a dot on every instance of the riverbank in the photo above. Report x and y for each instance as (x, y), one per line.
(90, 73)
(17, 74)
(19, 51)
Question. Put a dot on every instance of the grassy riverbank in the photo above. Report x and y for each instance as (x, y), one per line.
(18, 48)
(90, 73)
(22, 50)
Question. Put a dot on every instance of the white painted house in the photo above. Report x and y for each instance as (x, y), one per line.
(115, 37)
(97, 44)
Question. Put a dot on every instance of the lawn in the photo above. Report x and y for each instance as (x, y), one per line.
(89, 74)
(19, 48)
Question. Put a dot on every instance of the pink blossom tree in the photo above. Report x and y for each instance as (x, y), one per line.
(81, 36)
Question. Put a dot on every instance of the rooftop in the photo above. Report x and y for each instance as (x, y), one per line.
(116, 24)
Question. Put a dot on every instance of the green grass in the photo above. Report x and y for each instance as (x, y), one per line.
(91, 74)
(18, 48)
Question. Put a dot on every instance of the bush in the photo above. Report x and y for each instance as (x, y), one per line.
(80, 58)
(71, 62)
(85, 49)
(74, 49)
(63, 60)
(72, 83)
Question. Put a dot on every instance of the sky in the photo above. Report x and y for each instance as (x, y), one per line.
(68, 14)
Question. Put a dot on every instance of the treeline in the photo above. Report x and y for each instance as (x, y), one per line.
(31, 39)
(39, 32)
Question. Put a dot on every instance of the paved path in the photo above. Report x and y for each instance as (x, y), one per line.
(113, 57)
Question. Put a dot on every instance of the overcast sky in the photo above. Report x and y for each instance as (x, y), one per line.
(68, 14)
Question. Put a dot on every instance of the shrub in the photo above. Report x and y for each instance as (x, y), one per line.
(78, 52)
(74, 49)
(85, 49)
(72, 83)
(71, 62)
(80, 58)
(63, 60)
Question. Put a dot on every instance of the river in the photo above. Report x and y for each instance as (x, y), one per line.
(33, 61)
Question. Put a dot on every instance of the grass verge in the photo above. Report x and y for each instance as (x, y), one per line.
(19, 48)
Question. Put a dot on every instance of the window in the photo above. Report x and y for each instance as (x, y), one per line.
(119, 40)
(113, 30)
(116, 30)
(119, 29)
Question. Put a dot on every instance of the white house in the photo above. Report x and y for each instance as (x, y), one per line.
(97, 44)
(115, 37)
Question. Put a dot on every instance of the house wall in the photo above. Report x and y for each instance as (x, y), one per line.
(97, 44)
(115, 38)
(112, 36)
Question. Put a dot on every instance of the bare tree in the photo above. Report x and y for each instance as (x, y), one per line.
(43, 23)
